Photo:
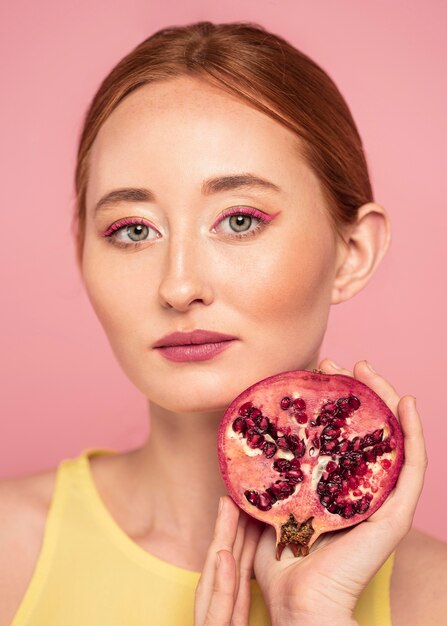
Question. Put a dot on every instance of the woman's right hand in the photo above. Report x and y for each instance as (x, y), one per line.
(223, 593)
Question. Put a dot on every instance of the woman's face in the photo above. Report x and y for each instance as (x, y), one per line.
(191, 265)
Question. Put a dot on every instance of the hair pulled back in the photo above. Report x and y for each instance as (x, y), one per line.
(267, 72)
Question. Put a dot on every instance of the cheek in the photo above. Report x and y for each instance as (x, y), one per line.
(291, 283)
(114, 296)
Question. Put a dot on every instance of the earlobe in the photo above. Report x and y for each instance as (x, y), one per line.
(366, 243)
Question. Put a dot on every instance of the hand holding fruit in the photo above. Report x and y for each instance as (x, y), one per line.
(326, 584)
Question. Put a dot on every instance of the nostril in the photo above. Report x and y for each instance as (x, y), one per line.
(181, 296)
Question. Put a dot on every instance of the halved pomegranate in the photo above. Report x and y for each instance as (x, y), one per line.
(309, 452)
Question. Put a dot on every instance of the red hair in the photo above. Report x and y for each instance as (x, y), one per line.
(261, 68)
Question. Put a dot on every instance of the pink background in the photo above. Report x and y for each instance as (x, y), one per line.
(62, 389)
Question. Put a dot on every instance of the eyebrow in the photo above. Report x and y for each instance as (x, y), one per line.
(209, 187)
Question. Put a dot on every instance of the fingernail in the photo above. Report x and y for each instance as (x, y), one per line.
(217, 560)
(370, 367)
(334, 365)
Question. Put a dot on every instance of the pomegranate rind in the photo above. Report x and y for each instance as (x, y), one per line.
(245, 468)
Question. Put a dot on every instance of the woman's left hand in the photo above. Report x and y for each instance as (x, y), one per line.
(324, 586)
(223, 593)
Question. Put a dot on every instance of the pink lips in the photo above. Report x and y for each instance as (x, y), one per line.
(198, 345)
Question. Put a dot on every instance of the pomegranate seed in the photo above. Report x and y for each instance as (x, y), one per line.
(269, 449)
(330, 433)
(245, 408)
(282, 443)
(282, 489)
(300, 449)
(331, 467)
(326, 500)
(385, 463)
(354, 403)
(343, 403)
(353, 482)
(368, 440)
(239, 425)
(316, 441)
(272, 431)
(346, 462)
(369, 496)
(355, 444)
(282, 465)
(343, 446)
(338, 422)
(362, 505)
(295, 464)
(252, 497)
(370, 455)
(321, 488)
(329, 446)
(272, 495)
(357, 492)
(250, 423)
(361, 469)
(254, 439)
(333, 487)
(329, 407)
(348, 511)
(254, 413)
(295, 476)
(293, 442)
(265, 502)
(377, 435)
(379, 449)
(333, 508)
(263, 424)
(299, 404)
(285, 403)
(301, 418)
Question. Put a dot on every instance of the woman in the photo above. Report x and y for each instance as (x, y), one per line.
(221, 188)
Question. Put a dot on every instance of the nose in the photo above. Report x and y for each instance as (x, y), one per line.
(185, 279)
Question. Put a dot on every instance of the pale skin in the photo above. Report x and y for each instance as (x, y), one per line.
(271, 290)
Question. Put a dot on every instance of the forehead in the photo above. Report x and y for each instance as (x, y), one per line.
(184, 130)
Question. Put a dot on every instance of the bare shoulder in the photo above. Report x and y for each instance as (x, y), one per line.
(24, 506)
(419, 581)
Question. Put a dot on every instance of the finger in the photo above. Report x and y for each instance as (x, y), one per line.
(239, 543)
(224, 536)
(404, 498)
(330, 367)
(364, 372)
(241, 611)
(221, 605)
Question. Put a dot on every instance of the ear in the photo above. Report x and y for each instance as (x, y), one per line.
(361, 248)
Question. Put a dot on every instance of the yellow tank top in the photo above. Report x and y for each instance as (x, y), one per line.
(90, 573)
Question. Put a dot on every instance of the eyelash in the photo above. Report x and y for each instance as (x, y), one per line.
(112, 231)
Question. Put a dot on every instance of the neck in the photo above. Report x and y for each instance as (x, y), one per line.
(177, 477)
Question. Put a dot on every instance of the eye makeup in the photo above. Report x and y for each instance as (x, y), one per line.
(124, 225)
